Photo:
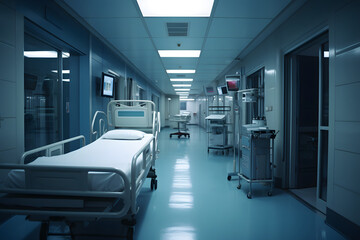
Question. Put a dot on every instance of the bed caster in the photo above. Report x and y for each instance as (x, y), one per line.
(229, 178)
(239, 186)
(179, 136)
(249, 195)
(170, 135)
(153, 184)
(269, 193)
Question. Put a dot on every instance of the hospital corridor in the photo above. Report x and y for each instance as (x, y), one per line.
(179, 120)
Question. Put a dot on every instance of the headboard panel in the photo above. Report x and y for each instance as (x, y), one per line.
(138, 115)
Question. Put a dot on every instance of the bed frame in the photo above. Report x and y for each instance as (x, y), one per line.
(46, 197)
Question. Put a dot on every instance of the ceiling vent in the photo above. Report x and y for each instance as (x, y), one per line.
(177, 29)
(180, 75)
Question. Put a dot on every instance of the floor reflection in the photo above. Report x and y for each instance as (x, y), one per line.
(179, 233)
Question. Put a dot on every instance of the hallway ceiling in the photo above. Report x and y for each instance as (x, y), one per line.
(233, 24)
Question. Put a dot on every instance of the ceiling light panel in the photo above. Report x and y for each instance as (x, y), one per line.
(180, 71)
(181, 85)
(182, 89)
(180, 53)
(175, 8)
(181, 79)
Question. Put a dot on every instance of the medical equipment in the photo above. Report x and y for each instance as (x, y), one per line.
(182, 118)
(99, 181)
(257, 162)
(218, 128)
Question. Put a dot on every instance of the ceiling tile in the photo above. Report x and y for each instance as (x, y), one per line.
(132, 44)
(157, 26)
(141, 54)
(250, 8)
(119, 27)
(213, 54)
(215, 61)
(171, 43)
(185, 63)
(104, 8)
(236, 44)
(237, 27)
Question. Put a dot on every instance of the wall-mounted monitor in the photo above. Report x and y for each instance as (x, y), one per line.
(222, 90)
(209, 90)
(107, 85)
(232, 82)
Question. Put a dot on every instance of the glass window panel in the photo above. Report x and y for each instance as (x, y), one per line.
(41, 89)
(325, 86)
(323, 164)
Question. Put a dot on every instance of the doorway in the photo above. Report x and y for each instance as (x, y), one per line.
(306, 120)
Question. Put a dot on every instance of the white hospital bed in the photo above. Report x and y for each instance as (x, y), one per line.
(100, 180)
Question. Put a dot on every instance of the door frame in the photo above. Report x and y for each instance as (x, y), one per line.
(291, 87)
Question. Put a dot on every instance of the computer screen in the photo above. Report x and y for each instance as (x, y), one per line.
(224, 90)
(232, 82)
(107, 85)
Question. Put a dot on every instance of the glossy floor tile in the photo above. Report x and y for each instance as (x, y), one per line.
(195, 201)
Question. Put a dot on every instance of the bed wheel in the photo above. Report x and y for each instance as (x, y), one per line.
(44, 230)
(152, 184)
(155, 184)
(249, 195)
(229, 178)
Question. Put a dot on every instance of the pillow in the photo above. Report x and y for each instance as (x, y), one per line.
(122, 134)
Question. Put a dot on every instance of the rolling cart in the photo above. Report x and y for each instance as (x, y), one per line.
(257, 162)
(218, 133)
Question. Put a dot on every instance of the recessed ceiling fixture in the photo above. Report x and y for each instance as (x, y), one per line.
(182, 89)
(180, 71)
(181, 85)
(182, 93)
(176, 8)
(187, 99)
(63, 71)
(181, 79)
(179, 53)
(44, 54)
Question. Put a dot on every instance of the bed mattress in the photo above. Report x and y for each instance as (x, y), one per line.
(111, 153)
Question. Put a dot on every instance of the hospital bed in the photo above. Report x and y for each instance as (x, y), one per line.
(101, 180)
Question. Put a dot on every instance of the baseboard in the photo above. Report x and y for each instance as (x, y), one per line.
(341, 224)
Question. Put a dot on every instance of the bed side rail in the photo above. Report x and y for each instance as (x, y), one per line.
(62, 191)
(102, 124)
(137, 181)
(52, 149)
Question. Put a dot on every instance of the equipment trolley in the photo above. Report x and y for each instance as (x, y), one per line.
(257, 162)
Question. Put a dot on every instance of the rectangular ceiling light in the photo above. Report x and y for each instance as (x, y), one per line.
(182, 89)
(181, 85)
(180, 71)
(187, 99)
(181, 79)
(44, 54)
(179, 53)
(183, 8)
(63, 71)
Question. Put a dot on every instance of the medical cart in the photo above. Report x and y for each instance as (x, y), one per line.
(257, 162)
(218, 130)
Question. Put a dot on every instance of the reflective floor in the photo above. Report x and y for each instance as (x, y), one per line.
(194, 200)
